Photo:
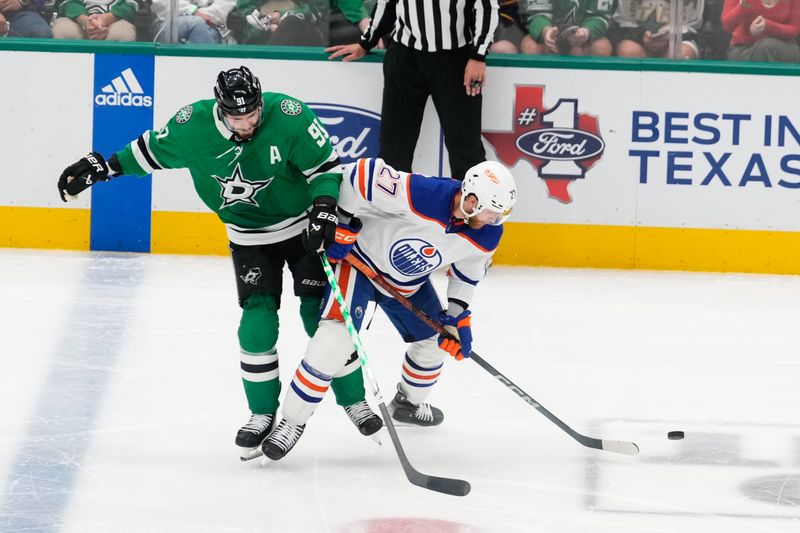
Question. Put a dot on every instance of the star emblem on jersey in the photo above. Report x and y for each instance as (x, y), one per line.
(184, 114)
(291, 107)
(236, 189)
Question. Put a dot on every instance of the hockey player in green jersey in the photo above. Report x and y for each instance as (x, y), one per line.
(568, 27)
(264, 164)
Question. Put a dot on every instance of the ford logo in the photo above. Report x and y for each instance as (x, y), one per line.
(354, 131)
(560, 144)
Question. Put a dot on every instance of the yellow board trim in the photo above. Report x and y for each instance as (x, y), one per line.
(707, 250)
(557, 245)
(45, 227)
(187, 233)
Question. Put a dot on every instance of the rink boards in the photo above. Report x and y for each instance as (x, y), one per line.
(618, 164)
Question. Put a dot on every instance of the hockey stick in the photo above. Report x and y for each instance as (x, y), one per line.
(617, 446)
(454, 487)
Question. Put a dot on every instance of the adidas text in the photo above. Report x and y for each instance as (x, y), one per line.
(124, 99)
(124, 90)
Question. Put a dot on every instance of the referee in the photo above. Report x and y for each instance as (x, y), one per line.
(438, 48)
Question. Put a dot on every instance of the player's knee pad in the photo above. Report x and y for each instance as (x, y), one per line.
(330, 348)
(309, 313)
(258, 327)
(426, 353)
(352, 364)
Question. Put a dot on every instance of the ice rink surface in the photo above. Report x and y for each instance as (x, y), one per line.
(120, 397)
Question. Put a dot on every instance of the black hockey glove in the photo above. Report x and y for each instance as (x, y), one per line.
(322, 222)
(81, 175)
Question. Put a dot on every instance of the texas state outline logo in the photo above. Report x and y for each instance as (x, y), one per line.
(559, 142)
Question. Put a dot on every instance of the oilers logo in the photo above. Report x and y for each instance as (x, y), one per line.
(414, 257)
(354, 131)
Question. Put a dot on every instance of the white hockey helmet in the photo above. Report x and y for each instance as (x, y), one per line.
(494, 187)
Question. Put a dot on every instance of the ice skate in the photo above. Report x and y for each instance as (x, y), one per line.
(365, 419)
(252, 434)
(406, 412)
(282, 440)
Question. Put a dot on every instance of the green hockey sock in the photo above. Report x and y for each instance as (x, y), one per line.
(348, 385)
(258, 334)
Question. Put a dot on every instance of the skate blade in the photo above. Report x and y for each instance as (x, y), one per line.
(248, 454)
(404, 424)
(376, 437)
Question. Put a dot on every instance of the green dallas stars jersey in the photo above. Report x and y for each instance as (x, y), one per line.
(261, 188)
(594, 15)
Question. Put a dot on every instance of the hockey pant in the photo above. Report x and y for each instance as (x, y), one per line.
(331, 347)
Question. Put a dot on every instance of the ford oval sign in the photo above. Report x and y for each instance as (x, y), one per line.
(354, 131)
(560, 144)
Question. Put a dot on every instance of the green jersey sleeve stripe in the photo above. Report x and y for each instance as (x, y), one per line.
(330, 164)
(144, 145)
(142, 160)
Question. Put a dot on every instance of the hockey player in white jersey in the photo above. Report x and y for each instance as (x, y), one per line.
(404, 226)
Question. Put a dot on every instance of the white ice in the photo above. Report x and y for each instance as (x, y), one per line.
(120, 397)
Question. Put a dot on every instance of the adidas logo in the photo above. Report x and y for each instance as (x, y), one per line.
(124, 90)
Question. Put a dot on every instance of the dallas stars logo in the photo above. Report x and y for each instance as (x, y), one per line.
(236, 189)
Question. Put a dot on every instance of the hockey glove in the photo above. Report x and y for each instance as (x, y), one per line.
(458, 342)
(346, 235)
(322, 221)
(81, 175)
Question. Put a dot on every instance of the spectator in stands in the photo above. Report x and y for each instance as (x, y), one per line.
(569, 27)
(22, 18)
(199, 21)
(348, 20)
(643, 28)
(511, 35)
(763, 30)
(285, 22)
(98, 20)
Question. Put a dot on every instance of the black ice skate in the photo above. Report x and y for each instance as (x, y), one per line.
(365, 419)
(282, 440)
(252, 434)
(423, 414)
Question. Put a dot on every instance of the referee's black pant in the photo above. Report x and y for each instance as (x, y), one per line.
(409, 77)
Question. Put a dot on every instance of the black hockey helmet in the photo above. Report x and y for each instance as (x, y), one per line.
(238, 92)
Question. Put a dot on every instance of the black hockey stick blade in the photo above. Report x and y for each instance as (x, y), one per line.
(445, 485)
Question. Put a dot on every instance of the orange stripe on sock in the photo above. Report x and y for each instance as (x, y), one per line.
(419, 376)
(308, 384)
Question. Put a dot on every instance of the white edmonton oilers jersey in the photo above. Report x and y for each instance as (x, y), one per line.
(408, 229)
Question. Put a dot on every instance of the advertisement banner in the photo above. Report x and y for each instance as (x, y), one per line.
(123, 109)
(614, 168)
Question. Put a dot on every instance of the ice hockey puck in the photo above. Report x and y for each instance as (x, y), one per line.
(675, 435)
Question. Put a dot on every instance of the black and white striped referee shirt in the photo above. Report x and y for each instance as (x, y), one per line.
(435, 25)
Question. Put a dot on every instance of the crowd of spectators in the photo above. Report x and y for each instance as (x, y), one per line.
(741, 30)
